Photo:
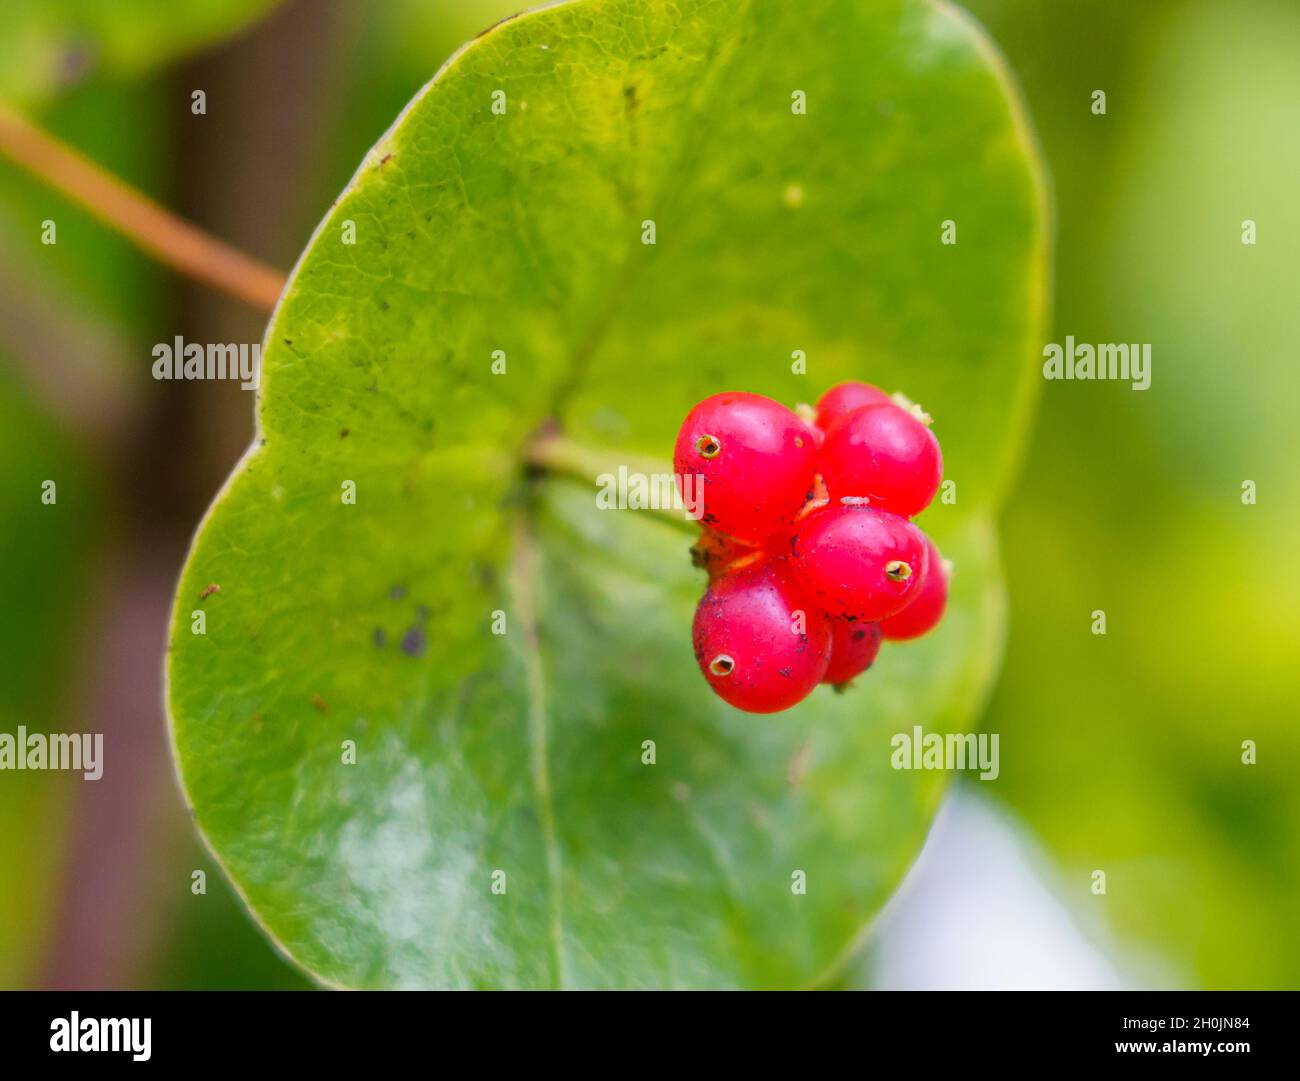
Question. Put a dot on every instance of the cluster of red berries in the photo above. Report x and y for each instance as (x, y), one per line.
(811, 556)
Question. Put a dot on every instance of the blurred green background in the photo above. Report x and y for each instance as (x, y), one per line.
(1120, 752)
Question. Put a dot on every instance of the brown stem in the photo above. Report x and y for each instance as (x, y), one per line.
(142, 221)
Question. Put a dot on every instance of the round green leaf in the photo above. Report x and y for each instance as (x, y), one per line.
(370, 624)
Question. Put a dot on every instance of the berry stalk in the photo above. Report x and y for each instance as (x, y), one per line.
(554, 453)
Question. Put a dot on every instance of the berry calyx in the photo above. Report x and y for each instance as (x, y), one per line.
(884, 453)
(854, 647)
(708, 447)
(845, 398)
(859, 562)
(761, 647)
(927, 607)
(756, 458)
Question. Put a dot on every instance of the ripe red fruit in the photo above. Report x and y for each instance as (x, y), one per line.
(760, 646)
(859, 562)
(853, 649)
(756, 458)
(844, 398)
(927, 607)
(886, 454)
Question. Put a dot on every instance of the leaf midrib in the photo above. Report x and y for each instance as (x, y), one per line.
(523, 567)
(523, 589)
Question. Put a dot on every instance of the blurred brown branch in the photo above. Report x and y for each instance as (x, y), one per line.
(168, 238)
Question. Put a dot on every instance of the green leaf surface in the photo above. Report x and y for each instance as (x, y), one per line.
(372, 622)
(49, 44)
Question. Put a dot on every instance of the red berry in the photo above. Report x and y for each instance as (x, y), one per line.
(927, 607)
(853, 649)
(844, 398)
(859, 562)
(760, 646)
(756, 458)
(886, 454)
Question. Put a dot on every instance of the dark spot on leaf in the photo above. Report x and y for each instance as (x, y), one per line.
(499, 22)
(397, 592)
(413, 642)
(385, 159)
(344, 433)
(380, 638)
(319, 703)
(208, 590)
(422, 613)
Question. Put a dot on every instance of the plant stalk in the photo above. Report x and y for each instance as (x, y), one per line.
(168, 238)
(556, 453)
